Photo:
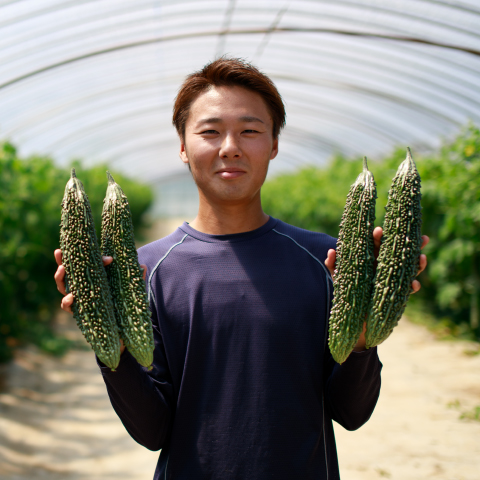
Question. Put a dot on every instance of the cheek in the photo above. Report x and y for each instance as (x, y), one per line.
(200, 151)
(263, 147)
(263, 157)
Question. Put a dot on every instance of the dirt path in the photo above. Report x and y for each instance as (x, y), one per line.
(415, 431)
(56, 421)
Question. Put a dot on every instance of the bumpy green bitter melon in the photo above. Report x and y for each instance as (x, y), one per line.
(398, 258)
(124, 275)
(353, 277)
(85, 275)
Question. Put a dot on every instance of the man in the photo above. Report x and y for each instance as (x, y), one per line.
(243, 385)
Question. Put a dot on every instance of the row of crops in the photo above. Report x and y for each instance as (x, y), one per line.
(31, 190)
(449, 299)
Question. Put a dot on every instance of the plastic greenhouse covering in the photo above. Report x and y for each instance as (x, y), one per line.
(96, 79)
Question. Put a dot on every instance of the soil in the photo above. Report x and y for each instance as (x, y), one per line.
(416, 431)
(56, 421)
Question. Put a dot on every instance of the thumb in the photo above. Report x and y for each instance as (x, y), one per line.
(107, 260)
(330, 261)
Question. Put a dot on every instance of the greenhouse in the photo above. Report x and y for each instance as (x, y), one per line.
(251, 353)
(96, 79)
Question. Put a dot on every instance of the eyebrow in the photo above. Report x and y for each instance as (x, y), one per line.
(251, 119)
(219, 120)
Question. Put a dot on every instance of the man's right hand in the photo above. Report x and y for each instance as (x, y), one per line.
(59, 276)
(67, 300)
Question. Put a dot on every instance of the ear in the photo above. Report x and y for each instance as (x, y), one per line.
(274, 149)
(183, 152)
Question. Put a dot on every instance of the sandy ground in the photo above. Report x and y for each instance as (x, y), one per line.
(416, 431)
(56, 421)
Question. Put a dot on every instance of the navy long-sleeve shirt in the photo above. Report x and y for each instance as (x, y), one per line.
(243, 385)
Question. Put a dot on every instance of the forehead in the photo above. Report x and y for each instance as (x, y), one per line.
(228, 103)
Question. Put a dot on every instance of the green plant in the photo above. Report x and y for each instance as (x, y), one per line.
(383, 473)
(419, 311)
(473, 414)
(452, 213)
(31, 190)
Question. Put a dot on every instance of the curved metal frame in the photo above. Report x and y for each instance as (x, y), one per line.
(368, 82)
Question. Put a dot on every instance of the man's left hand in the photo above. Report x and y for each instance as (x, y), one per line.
(377, 238)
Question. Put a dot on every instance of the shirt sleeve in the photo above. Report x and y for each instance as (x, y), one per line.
(352, 388)
(142, 399)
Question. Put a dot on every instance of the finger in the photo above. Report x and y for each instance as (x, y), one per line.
(60, 279)
(377, 240)
(67, 302)
(360, 345)
(107, 260)
(143, 269)
(425, 240)
(416, 286)
(377, 236)
(422, 263)
(58, 256)
(330, 260)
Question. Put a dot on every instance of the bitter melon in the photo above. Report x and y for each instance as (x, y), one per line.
(85, 275)
(353, 276)
(125, 277)
(398, 258)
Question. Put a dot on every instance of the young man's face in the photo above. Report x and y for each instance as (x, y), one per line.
(228, 144)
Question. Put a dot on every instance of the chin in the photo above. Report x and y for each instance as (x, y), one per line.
(232, 195)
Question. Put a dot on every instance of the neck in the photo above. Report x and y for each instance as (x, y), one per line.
(230, 218)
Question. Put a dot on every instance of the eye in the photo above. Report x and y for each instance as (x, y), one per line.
(251, 130)
(208, 132)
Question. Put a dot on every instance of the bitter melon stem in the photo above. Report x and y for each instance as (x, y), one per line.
(111, 181)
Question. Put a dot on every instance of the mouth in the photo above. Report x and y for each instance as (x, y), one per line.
(230, 172)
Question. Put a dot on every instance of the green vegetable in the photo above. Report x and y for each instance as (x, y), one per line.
(85, 276)
(398, 258)
(125, 277)
(353, 278)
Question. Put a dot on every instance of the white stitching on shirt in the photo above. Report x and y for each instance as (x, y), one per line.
(323, 396)
(328, 277)
(155, 268)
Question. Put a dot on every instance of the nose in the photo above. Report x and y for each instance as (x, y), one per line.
(230, 147)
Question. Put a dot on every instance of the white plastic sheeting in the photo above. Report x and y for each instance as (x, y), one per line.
(96, 79)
